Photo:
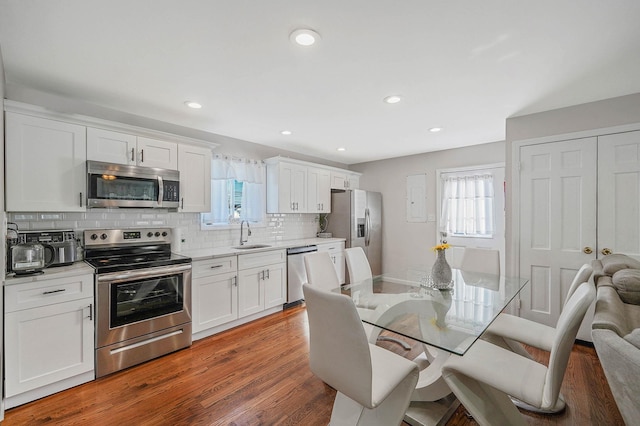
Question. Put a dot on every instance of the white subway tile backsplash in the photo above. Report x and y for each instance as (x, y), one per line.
(277, 227)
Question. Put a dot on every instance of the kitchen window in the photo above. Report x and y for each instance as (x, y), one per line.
(237, 192)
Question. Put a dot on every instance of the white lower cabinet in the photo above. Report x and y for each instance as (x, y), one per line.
(49, 337)
(262, 282)
(336, 253)
(214, 296)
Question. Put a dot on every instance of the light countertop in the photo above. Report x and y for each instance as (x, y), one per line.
(209, 253)
(80, 267)
(75, 269)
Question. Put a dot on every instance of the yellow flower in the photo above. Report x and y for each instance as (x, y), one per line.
(441, 247)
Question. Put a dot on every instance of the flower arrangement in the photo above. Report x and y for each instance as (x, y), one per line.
(442, 246)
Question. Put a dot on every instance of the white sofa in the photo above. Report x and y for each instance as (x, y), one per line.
(616, 330)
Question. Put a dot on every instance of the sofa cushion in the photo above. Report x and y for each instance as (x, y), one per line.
(634, 338)
(627, 284)
(610, 312)
(615, 262)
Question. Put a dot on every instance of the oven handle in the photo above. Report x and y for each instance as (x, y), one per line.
(142, 273)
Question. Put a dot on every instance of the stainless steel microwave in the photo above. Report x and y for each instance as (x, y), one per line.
(124, 186)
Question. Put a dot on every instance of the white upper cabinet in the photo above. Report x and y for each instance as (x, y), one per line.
(157, 153)
(318, 190)
(295, 186)
(194, 164)
(286, 188)
(111, 147)
(122, 148)
(45, 164)
(345, 180)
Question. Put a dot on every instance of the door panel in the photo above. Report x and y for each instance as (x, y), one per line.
(557, 220)
(619, 193)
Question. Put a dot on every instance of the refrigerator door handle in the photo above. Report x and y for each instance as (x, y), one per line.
(367, 227)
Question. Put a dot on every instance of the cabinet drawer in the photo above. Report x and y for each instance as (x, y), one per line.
(331, 247)
(47, 292)
(222, 265)
(260, 259)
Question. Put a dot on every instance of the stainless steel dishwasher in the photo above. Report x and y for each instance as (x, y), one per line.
(296, 273)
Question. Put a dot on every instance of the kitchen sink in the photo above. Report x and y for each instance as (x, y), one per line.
(251, 246)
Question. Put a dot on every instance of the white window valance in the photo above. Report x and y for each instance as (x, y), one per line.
(467, 205)
(225, 167)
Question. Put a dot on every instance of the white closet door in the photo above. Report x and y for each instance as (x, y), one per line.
(557, 222)
(619, 194)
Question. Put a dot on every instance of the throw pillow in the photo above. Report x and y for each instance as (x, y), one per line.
(615, 262)
(627, 284)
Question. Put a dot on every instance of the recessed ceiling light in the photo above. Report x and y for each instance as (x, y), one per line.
(393, 99)
(286, 132)
(304, 37)
(193, 105)
(341, 149)
(435, 129)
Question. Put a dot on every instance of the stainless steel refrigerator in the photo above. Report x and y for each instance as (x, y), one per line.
(357, 216)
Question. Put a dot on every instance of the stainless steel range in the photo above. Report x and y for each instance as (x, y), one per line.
(143, 296)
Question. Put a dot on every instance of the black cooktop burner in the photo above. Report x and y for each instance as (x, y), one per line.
(111, 260)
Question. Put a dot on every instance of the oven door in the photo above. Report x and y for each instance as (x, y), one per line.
(139, 302)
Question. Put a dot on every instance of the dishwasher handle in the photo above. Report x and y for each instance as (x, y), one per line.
(301, 250)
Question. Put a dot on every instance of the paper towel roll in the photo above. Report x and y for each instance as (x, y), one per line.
(176, 240)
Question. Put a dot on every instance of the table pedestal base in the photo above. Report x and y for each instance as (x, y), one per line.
(436, 413)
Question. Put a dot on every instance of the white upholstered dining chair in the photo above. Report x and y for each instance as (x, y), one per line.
(481, 260)
(360, 272)
(321, 273)
(373, 385)
(510, 331)
(485, 377)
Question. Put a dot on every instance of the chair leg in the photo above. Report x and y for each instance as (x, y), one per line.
(487, 405)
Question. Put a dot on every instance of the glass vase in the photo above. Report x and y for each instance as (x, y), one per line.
(441, 271)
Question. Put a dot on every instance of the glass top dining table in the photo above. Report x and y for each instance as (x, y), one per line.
(405, 302)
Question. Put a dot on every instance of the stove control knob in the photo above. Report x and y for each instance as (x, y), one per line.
(103, 237)
(94, 236)
(157, 234)
(149, 234)
(164, 234)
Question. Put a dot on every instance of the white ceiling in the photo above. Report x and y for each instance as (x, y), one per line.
(462, 65)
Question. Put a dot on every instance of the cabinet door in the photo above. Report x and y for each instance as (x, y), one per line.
(45, 164)
(194, 164)
(48, 344)
(214, 300)
(110, 147)
(286, 188)
(353, 182)
(250, 291)
(318, 190)
(338, 180)
(155, 153)
(275, 285)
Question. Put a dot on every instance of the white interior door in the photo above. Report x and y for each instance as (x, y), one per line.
(619, 194)
(557, 222)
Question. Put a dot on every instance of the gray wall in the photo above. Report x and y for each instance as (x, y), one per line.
(405, 244)
(611, 112)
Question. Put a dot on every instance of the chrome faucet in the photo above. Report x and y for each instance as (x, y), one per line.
(242, 241)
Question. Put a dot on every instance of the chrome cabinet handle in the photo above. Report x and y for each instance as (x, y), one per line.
(133, 155)
(268, 275)
(60, 290)
(90, 312)
(234, 281)
(216, 266)
(142, 155)
(81, 199)
(182, 203)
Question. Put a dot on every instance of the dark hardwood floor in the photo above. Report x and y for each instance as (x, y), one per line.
(258, 374)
